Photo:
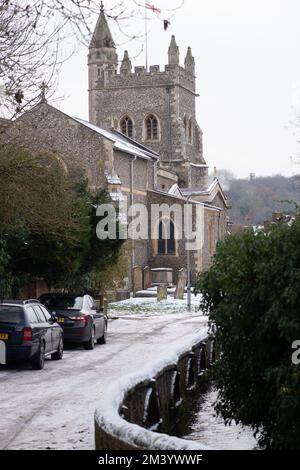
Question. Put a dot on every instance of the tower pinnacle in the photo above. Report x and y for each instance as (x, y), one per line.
(126, 62)
(173, 52)
(189, 62)
(102, 36)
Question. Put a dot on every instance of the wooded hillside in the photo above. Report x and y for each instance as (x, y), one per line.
(254, 201)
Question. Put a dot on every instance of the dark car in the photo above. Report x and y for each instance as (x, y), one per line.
(79, 317)
(29, 332)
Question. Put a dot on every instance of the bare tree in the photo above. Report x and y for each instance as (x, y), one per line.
(37, 36)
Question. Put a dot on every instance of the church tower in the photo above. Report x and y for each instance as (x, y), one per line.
(154, 107)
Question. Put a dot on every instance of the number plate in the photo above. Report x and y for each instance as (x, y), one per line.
(60, 320)
(3, 336)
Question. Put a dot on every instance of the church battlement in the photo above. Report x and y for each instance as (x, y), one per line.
(172, 75)
(105, 73)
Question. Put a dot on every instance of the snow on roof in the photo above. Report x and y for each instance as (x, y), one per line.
(113, 178)
(117, 197)
(199, 165)
(175, 190)
(195, 192)
(158, 270)
(121, 142)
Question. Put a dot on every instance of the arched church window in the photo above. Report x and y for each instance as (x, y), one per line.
(166, 238)
(126, 126)
(190, 131)
(152, 129)
(185, 128)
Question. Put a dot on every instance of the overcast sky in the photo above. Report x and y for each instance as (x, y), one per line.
(248, 77)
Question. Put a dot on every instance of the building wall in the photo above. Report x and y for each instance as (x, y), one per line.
(143, 172)
(214, 225)
(45, 129)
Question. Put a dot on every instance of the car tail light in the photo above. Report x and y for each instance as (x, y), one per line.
(81, 319)
(27, 334)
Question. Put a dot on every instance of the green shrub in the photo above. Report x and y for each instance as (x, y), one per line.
(252, 293)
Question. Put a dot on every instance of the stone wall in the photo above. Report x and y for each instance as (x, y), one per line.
(155, 404)
(45, 129)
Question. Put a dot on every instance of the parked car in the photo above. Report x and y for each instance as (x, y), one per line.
(29, 332)
(80, 319)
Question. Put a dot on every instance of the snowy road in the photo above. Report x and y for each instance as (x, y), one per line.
(54, 408)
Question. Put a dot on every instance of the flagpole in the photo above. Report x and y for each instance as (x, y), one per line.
(146, 36)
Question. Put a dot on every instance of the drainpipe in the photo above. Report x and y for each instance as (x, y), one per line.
(219, 226)
(170, 140)
(188, 266)
(155, 166)
(131, 204)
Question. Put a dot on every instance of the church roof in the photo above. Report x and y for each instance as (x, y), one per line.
(102, 36)
(208, 194)
(175, 191)
(121, 142)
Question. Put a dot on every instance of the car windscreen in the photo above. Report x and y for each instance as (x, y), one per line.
(62, 302)
(11, 314)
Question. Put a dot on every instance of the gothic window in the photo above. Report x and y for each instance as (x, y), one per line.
(161, 239)
(126, 126)
(152, 129)
(190, 131)
(185, 128)
(166, 241)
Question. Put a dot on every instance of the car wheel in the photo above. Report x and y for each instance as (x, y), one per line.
(58, 355)
(39, 361)
(103, 338)
(90, 344)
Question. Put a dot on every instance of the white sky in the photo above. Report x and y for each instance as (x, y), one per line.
(248, 77)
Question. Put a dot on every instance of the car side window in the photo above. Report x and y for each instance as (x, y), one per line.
(45, 312)
(89, 301)
(40, 314)
(31, 315)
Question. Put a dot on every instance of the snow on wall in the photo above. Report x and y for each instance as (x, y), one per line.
(107, 415)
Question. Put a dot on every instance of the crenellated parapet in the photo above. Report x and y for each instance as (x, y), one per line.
(125, 77)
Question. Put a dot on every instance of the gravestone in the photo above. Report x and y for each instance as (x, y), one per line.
(147, 278)
(162, 293)
(162, 276)
(181, 284)
(137, 279)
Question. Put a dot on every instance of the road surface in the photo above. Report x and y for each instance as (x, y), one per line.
(54, 408)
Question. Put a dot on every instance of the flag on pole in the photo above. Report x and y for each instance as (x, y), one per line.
(153, 8)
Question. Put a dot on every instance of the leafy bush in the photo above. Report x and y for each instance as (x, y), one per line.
(48, 225)
(252, 293)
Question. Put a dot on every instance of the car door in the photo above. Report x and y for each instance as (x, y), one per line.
(55, 328)
(98, 318)
(88, 302)
(35, 325)
(45, 327)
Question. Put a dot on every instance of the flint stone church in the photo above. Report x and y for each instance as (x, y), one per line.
(142, 141)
